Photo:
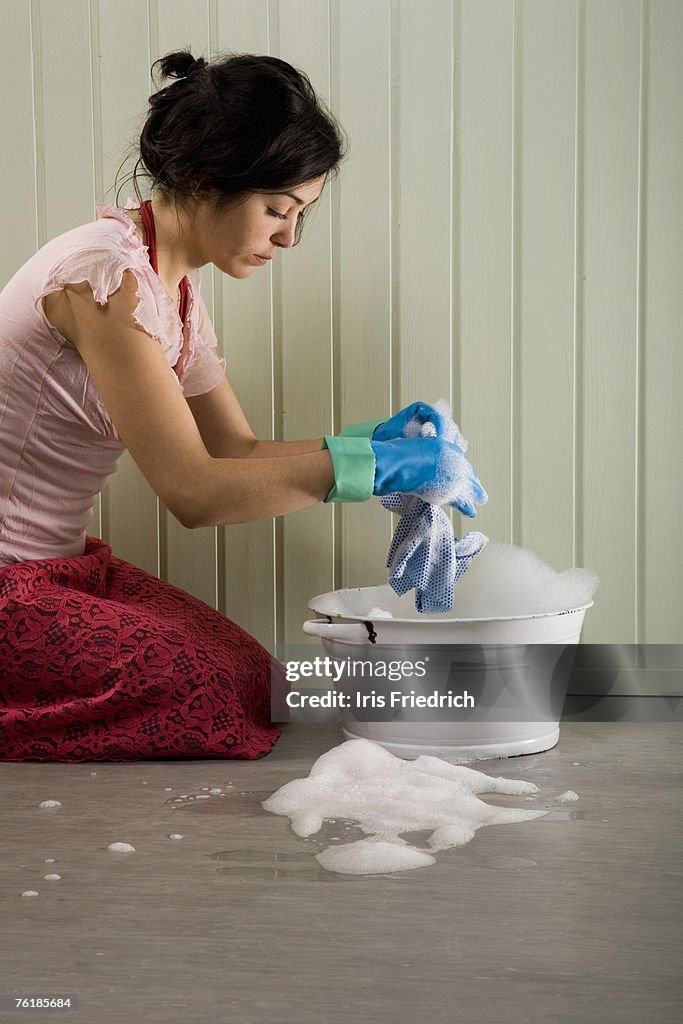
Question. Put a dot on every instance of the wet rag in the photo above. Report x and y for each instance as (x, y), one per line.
(425, 555)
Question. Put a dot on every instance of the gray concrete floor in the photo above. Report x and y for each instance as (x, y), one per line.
(575, 917)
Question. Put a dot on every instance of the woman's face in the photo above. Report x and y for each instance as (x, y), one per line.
(233, 240)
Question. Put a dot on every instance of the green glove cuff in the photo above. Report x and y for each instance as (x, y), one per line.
(353, 461)
(362, 429)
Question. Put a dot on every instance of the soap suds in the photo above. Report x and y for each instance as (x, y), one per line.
(121, 848)
(361, 781)
(509, 580)
(568, 797)
(503, 580)
(379, 613)
(49, 803)
(373, 856)
(30, 892)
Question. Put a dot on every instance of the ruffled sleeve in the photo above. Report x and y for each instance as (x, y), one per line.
(103, 269)
(204, 369)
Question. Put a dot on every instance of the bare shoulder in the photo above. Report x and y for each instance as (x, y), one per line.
(74, 312)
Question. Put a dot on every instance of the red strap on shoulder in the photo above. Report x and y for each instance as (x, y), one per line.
(147, 218)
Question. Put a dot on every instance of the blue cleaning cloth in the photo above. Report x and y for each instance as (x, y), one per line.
(425, 556)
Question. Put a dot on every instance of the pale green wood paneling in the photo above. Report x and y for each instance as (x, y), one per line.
(608, 275)
(189, 557)
(363, 273)
(484, 98)
(422, 184)
(17, 159)
(545, 113)
(660, 491)
(303, 305)
(67, 136)
(244, 321)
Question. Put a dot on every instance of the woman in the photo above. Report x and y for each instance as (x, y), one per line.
(105, 344)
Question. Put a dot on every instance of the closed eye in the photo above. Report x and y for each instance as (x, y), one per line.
(280, 216)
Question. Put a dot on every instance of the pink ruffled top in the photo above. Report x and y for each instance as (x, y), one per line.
(58, 445)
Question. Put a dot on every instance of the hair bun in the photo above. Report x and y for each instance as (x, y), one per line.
(180, 64)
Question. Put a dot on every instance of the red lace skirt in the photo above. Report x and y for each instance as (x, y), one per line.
(100, 661)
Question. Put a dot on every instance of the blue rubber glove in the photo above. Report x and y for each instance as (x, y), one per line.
(432, 468)
(418, 412)
(389, 430)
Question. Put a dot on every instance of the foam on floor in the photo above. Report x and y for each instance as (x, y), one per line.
(387, 796)
(568, 797)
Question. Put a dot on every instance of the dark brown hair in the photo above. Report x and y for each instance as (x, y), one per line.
(237, 125)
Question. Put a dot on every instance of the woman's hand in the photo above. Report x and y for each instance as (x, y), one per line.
(418, 414)
(431, 468)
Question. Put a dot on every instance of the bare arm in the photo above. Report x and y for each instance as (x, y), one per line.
(140, 392)
(227, 434)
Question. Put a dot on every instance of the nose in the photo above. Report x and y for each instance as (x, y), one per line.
(284, 236)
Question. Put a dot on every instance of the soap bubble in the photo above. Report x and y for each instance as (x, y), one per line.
(361, 781)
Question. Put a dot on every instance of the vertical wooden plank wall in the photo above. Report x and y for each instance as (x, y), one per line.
(483, 356)
(543, 291)
(607, 335)
(20, 124)
(503, 234)
(363, 273)
(660, 319)
(423, 225)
